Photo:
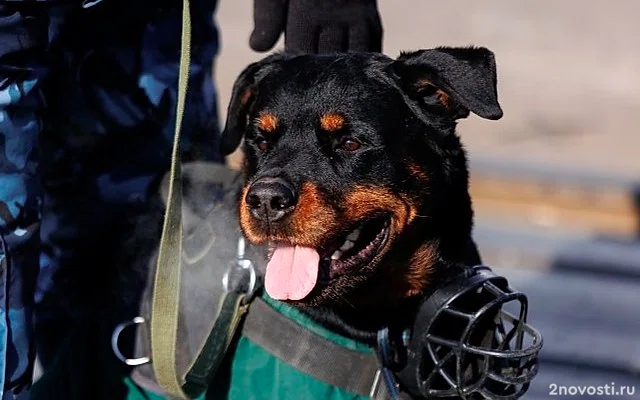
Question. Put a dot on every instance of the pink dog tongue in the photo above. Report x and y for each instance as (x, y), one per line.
(292, 272)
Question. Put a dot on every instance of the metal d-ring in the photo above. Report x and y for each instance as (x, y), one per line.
(114, 343)
(244, 265)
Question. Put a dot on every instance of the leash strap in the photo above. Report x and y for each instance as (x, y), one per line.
(353, 371)
(166, 293)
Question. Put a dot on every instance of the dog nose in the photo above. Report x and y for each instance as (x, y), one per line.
(271, 199)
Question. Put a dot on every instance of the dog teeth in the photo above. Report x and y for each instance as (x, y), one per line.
(348, 244)
(353, 236)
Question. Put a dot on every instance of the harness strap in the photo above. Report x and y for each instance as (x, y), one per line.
(350, 370)
(215, 348)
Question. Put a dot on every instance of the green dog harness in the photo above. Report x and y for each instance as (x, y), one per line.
(283, 354)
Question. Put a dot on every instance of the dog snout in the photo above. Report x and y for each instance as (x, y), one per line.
(271, 199)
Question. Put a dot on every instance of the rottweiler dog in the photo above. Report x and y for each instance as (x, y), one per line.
(356, 179)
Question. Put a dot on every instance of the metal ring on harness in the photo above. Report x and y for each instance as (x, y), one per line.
(242, 265)
(114, 343)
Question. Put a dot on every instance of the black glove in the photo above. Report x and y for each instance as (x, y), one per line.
(317, 26)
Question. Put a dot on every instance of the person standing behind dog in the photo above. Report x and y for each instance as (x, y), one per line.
(87, 100)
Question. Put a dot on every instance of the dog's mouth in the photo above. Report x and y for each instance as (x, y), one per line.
(294, 271)
(356, 250)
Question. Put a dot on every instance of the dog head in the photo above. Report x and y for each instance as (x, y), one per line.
(356, 179)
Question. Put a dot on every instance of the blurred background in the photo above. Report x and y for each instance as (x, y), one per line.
(554, 182)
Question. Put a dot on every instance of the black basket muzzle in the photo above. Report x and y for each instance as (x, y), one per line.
(471, 340)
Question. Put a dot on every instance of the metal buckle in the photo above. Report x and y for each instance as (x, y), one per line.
(238, 272)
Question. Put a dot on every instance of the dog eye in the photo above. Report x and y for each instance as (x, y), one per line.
(350, 145)
(262, 144)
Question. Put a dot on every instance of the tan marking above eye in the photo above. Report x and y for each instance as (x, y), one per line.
(267, 122)
(332, 122)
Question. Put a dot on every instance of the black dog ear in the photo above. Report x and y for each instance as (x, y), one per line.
(453, 79)
(243, 96)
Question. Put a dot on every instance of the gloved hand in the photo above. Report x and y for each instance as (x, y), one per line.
(317, 26)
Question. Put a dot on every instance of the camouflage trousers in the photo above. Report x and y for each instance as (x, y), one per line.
(87, 99)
